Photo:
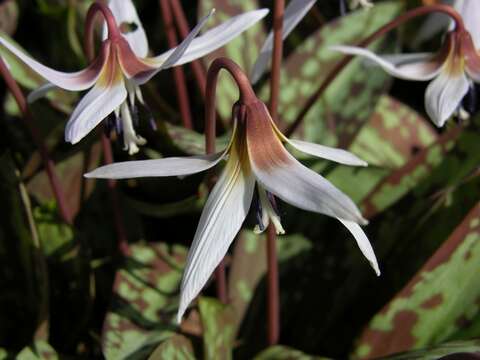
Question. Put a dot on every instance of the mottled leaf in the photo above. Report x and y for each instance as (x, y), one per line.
(177, 347)
(440, 298)
(436, 352)
(285, 353)
(351, 98)
(145, 301)
(218, 329)
(40, 350)
(8, 16)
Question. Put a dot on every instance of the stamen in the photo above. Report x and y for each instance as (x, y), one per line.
(267, 212)
(130, 139)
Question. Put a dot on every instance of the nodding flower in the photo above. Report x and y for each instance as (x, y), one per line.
(123, 64)
(452, 69)
(256, 163)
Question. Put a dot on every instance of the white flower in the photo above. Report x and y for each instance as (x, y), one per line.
(123, 65)
(256, 158)
(452, 70)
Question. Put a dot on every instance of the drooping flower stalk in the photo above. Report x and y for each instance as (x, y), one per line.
(198, 69)
(332, 75)
(178, 73)
(48, 163)
(105, 141)
(273, 293)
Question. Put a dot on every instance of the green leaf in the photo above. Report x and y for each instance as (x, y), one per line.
(218, 329)
(283, 352)
(436, 302)
(145, 301)
(391, 138)
(436, 352)
(40, 350)
(177, 347)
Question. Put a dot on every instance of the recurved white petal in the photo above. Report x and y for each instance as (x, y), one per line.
(329, 153)
(40, 92)
(444, 95)
(173, 166)
(216, 37)
(97, 104)
(469, 9)
(127, 18)
(74, 81)
(223, 215)
(420, 70)
(294, 13)
(363, 243)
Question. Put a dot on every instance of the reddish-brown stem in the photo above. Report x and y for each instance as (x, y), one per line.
(448, 10)
(117, 217)
(246, 95)
(273, 296)
(27, 119)
(178, 74)
(182, 25)
(113, 30)
(106, 146)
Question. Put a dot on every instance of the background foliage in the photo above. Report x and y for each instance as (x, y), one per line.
(66, 293)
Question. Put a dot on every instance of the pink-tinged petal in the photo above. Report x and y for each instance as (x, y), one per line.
(171, 57)
(174, 166)
(281, 174)
(363, 243)
(221, 219)
(212, 39)
(420, 70)
(108, 94)
(469, 9)
(132, 29)
(471, 56)
(75, 81)
(40, 92)
(445, 93)
(131, 64)
(294, 13)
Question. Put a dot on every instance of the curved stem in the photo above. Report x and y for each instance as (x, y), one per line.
(47, 161)
(448, 10)
(246, 95)
(113, 30)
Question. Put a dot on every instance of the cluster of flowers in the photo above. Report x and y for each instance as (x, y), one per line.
(257, 163)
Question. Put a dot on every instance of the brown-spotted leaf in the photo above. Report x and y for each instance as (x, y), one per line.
(280, 352)
(145, 301)
(218, 329)
(460, 350)
(436, 302)
(8, 16)
(401, 181)
(178, 347)
(351, 98)
(393, 135)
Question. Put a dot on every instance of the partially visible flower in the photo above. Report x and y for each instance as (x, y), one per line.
(257, 162)
(452, 69)
(123, 65)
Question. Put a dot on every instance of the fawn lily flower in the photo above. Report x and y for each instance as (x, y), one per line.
(452, 69)
(255, 159)
(120, 68)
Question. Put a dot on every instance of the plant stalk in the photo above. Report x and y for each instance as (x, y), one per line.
(178, 74)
